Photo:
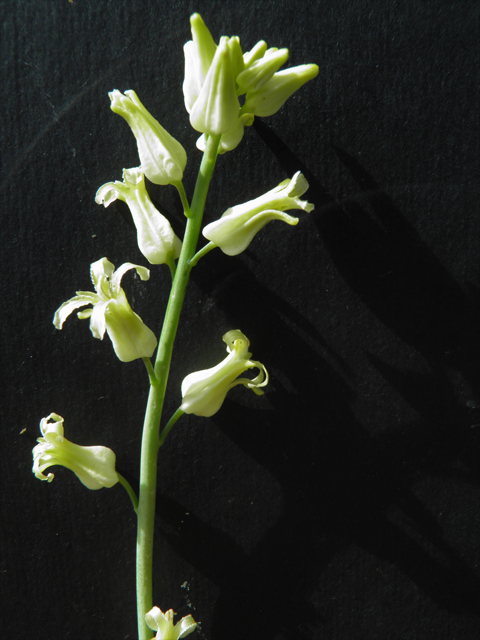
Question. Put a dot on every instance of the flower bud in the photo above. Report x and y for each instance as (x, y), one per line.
(162, 157)
(272, 95)
(216, 109)
(199, 53)
(260, 71)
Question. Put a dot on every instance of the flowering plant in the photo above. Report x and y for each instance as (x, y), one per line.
(224, 90)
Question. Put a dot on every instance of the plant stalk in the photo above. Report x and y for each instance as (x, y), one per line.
(151, 427)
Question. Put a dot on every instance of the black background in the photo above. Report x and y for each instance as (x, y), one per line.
(345, 502)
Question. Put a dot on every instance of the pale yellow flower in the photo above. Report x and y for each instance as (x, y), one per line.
(203, 392)
(156, 239)
(111, 312)
(94, 466)
(237, 227)
(163, 158)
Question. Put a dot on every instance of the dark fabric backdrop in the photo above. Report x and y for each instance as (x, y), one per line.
(345, 502)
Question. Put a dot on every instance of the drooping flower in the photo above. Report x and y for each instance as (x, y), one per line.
(156, 238)
(203, 392)
(162, 623)
(237, 227)
(211, 98)
(94, 466)
(162, 157)
(131, 338)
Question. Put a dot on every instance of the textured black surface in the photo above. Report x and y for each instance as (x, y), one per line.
(343, 504)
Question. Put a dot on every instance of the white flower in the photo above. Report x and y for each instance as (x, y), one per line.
(237, 227)
(203, 392)
(162, 623)
(131, 338)
(94, 466)
(163, 158)
(156, 238)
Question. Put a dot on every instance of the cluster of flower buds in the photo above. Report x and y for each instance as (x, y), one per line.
(216, 76)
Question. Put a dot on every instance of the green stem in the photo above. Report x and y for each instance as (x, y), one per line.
(183, 197)
(151, 427)
(150, 371)
(128, 488)
(171, 265)
(206, 249)
(178, 414)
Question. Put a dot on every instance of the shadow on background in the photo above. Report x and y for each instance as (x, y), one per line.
(340, 485)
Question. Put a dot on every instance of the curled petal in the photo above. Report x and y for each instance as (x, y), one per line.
(116, 279)
(97, 319)
(111, 312)
(62, 313)
(100, 272)
(111, 191)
